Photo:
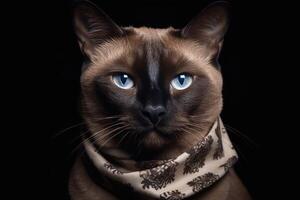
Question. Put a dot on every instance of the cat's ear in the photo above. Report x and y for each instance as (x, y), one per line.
(209, 26)
(93, 26)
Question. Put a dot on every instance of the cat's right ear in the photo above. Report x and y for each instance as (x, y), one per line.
(92, 26)
(209, 26)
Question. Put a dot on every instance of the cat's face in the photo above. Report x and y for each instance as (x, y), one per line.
(148, 89)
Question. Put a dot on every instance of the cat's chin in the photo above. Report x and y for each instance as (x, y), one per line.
(154, 140)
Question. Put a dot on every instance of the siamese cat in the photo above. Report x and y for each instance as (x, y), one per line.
(148, 95)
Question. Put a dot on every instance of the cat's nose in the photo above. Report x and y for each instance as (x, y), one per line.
(154, 113)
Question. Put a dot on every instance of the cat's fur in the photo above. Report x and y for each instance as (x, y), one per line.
(152, 57)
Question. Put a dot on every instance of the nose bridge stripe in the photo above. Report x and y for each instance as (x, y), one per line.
(153, 54)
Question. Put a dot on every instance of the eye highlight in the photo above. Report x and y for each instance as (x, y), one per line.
(182, 81)
(123, 80)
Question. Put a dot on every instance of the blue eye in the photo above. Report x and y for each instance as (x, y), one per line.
(182, 81)
(123, 81)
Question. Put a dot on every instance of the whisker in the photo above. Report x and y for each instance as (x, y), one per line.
(83, 123)
(227, 143)
(110, 117)
(240, 153)
(241, 135)
(195, 130)
(125, 127)
(113, 136)
(98, 132)
(78, 137)
(96, 138)
(198, 128)
(123, 137)
(188, 131)
(237, 149)
(139, 149)
(93, 136)
(67, 129)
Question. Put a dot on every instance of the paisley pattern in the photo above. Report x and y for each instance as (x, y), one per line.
(229, 163)
(203, 181)
(197, 156)
(172, 195)
(174, 179)
(150, 164)
(112, 169)
(159, 176)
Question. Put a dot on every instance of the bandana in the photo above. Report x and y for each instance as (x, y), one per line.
(178, 178)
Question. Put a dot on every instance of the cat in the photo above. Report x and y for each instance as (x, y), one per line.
(149, 93)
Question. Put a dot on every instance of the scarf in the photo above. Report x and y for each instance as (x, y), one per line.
(190, 172)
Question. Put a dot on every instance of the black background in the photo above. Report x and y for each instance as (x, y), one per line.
(50, 92)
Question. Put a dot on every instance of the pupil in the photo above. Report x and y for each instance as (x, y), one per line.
(181, 79)
(124, 78)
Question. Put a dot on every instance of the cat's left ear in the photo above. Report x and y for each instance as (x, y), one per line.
(93, 27)
(209, 26)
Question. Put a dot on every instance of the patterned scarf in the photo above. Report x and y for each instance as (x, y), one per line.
(177, 178)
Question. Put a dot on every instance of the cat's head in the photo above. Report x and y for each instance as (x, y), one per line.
(146, 89)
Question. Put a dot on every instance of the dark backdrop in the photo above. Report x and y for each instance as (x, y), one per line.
(53, 98)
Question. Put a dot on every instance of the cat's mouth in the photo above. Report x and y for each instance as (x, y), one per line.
(156, 138)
